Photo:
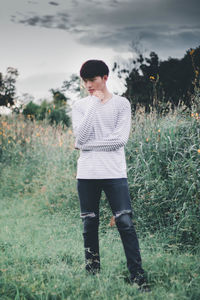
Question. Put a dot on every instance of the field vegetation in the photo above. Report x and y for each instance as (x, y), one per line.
(41, 247)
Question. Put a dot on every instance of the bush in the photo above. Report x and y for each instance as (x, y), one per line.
(164, 175)
(162, 162)
(31, 110)
(57, 116)
(54, 114)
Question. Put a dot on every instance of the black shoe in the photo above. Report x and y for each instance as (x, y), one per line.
(93, 268)
(93, 271)
(145, 288)
(141, 281)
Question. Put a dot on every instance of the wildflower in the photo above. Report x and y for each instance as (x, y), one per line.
(198, 151)
(152, 77)
(43, 189)
(158, 130)
(112, 221)
(147, 139)
(192, 115)
(192, 51)
(196, 72)
(196, 114)
(69, 131)
(3, 270)
(37, 134)
(49, 110)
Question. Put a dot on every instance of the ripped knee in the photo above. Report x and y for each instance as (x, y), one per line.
(87, 215)
(123, 212)
(90, 221)
(123, 220)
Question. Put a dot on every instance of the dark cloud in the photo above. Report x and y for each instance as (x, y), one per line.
(33, 2)
(53, 3)
(31, 21)
(61, 21)
(156, 23)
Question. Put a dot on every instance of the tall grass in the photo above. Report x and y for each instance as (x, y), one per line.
(163, 164)
(42, 258)
(39, 159)
(40, 240)
(163, 157)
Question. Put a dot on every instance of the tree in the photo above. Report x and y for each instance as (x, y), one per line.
(75, 86)
(7, 87)
(31, 110)
(160, 84)
(59, 99)
(140, 89)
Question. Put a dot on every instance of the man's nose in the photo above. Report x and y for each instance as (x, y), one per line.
(88, 84)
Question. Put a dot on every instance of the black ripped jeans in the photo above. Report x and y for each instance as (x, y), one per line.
(117, 193)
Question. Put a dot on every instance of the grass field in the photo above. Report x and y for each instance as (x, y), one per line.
(41, 246)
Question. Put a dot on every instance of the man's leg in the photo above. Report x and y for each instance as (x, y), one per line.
(89, 195)
(118, 195)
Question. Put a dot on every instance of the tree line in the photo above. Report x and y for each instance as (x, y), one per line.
(150, 82)
(162, 85)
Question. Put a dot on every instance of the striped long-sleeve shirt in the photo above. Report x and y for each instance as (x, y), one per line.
(101, 131)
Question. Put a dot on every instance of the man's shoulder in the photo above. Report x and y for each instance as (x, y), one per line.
(121, 100)
(81, 102)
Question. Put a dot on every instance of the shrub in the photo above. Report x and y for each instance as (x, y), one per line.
(163, 166)
(31, 110)
(59, 115)
(164, 175)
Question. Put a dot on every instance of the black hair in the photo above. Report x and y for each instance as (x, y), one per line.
(92, 68)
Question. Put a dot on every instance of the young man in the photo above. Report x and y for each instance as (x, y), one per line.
(101, 125)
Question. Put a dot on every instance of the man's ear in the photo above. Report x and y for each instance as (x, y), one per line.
(105, 77)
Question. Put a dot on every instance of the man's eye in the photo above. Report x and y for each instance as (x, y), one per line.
(89, 79)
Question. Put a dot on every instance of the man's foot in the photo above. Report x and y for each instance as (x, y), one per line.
(141, 281)
(93, 271)
(145, 288)
(93, 268)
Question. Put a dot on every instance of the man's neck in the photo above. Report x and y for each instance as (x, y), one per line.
(107, 95)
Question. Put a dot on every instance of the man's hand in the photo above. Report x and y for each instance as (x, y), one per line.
(99, 94)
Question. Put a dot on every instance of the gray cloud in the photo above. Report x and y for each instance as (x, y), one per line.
(158, 24)
(53, 3)
(33, 2)
(60, 20)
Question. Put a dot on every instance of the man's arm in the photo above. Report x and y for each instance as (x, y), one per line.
(119, 136)
(82, 122)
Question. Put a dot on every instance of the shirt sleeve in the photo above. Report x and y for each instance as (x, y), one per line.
(119, 136)
(82, 122)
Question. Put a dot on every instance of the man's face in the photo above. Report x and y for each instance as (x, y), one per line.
(97, 83)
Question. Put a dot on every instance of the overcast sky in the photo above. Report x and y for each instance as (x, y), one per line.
(49, 40)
